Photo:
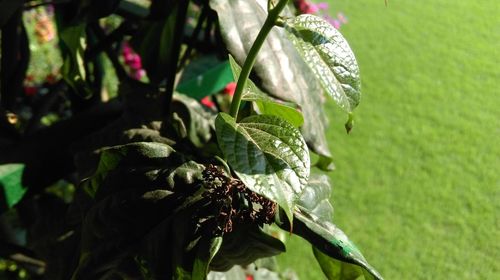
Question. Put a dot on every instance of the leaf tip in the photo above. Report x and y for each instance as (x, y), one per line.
(350, 123)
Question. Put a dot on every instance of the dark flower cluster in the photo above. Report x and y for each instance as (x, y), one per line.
(232, 203)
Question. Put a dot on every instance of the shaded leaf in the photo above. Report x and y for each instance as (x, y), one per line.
(140, 188)
(268, 154)
(153, 43)
(73, 44)
(134, 154)
(328, 54)
(206, 251)
(267, 105)
(243, 246)
(158, 42)
(281, 70)
(7, 9)
(336, 254)
(197, 122)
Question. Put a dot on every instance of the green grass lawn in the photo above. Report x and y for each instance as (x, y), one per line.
(417, 185)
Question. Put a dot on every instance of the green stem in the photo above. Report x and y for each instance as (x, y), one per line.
(272, 16)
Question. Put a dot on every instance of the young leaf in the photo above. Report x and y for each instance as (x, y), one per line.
(328, 54)
(313, 216)
(281, 70)
(268, 154)
(265, 104)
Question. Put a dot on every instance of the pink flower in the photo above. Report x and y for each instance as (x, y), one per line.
(135, 62)
(335, 22)
(322, 6)
(342, 18)
(139, 74)
(311, 8)
(126, 51)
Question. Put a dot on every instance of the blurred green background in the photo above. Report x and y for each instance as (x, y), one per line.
(417, 185)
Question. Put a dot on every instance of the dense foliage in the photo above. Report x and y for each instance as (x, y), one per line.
(168, 187)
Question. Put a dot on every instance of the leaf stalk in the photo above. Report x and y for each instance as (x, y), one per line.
(269, 23)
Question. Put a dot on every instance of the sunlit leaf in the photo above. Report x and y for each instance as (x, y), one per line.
(268, 154)
(279, 67)
(328, 54)
(267, 105)
(339, 258)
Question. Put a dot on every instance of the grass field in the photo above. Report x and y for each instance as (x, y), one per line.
(417, 185)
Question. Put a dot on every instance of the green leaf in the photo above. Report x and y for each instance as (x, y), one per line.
(206, 252)
(265, 104)
(197, 122)
(268, 154)
(313, 215)
(281, 70)
(156, 39)
(325, 163)
(204, 76)
(328, 54)
(338, 270)
(73, 45)
(246, 244)
(133, 154)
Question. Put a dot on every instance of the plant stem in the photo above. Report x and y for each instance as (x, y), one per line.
(269, 23)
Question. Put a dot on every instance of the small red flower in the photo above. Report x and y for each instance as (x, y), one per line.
(30, 91)
(51, 78)
(208, 102)
(230, 88)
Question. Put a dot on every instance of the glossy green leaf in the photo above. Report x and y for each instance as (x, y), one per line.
(267, 105)
(339, 258)
(279, 67)
(328, 54)
(338, 270)
(268, 154)
(204, 76)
